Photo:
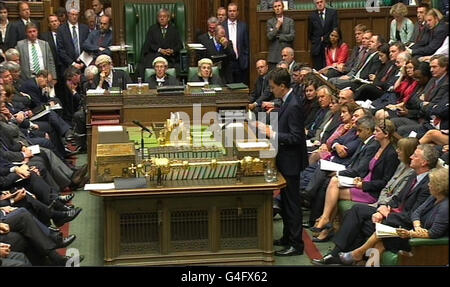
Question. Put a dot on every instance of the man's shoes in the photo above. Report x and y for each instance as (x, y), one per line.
(70, 261)
(63, 242)
(289, 251)
(78, 175)
(280, 242)
(327, 260)
(66, 198)
(346, 258)
(67, 216)
(276, 211)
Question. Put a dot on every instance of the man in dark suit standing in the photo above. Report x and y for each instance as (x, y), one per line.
(50, 38)
(237, 33)
(69, 38)
(291, 159)
(6, 36)
(320, 24)
(18, 27)
(163, 40)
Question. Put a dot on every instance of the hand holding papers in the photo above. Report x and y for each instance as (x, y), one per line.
(86, 58)
(385, 231)
(345, 181)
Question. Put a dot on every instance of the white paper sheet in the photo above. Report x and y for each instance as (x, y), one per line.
(100, 186)
(331, 166)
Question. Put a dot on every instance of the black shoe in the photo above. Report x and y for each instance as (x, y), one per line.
(280, 242)
(63, 242)
(66, 198)
(276, 211)
(67, 216)
(79, 174)
(327, 260)
(289, 251)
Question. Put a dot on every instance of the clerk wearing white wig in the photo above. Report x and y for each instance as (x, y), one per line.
(161, 78)
(205, 73)
(108, 77)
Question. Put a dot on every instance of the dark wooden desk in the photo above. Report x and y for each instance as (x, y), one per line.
(216, 221)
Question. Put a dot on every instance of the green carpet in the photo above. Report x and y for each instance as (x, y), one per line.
(89, 230)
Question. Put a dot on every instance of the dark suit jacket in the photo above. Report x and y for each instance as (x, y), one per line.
(214, 80)
(18, 32)
(382, 172)
(66, 49)
(169, 81)
(409, 199)
(120, 80)
(316, 30)
(31, 88)
(225, 56)
(93, 43)
(10, 41)
(359, 165)
(433, 216)
(437, 37)
(155, 40)
(371, 66)
(243, 45)
(48, 37)
(292, 155)
(262, 91)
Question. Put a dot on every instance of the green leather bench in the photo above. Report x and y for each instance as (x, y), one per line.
(425, 252)
(138, 19)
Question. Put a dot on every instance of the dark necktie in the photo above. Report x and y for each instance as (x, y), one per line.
(402, 205)
(363, 60)
(164, 32)
(75, 40)
(429, 94)
(387, 74)
(322, 20)
(101, 40)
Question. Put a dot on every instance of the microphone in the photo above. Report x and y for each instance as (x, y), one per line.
(142, 126)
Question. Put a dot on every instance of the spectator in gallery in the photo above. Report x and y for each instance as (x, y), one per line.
(402, 28)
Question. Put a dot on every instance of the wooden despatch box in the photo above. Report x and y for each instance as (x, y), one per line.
(113, 161)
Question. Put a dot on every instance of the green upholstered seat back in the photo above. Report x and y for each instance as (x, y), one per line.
(194, 70)
(140, 16)
(150, 71)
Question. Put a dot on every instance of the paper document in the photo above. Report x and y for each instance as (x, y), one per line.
(384, 231)
(345, 181)
(35, 149)
(252, 145)
(196, 46)
(331, 166)
(86, 58)
(100, 186)
(197, 84)
(309, 143)
(110, 129)
(40, 115)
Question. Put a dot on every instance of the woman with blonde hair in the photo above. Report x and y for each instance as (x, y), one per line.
(366, 190)
(402, 28)
(205, 73)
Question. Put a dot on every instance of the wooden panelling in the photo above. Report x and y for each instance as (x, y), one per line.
(378, 22)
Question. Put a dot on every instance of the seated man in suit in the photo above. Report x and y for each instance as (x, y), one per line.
(163, 39)
(368, 64)
(108, 77)
(161, 78)
(98, 41)
(262, 89)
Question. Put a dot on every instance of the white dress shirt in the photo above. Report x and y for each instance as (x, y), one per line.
(232, 35)
(39, 53)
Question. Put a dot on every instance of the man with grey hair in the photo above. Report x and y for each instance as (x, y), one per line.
(280, 32)
(163, 40)
(288, 55)
(69, 38)
(208, 39)
(12, 55)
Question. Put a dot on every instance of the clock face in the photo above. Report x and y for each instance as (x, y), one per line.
(73, 4)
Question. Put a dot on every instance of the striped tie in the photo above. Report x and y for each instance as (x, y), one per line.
(75, 40)
(35, 59)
